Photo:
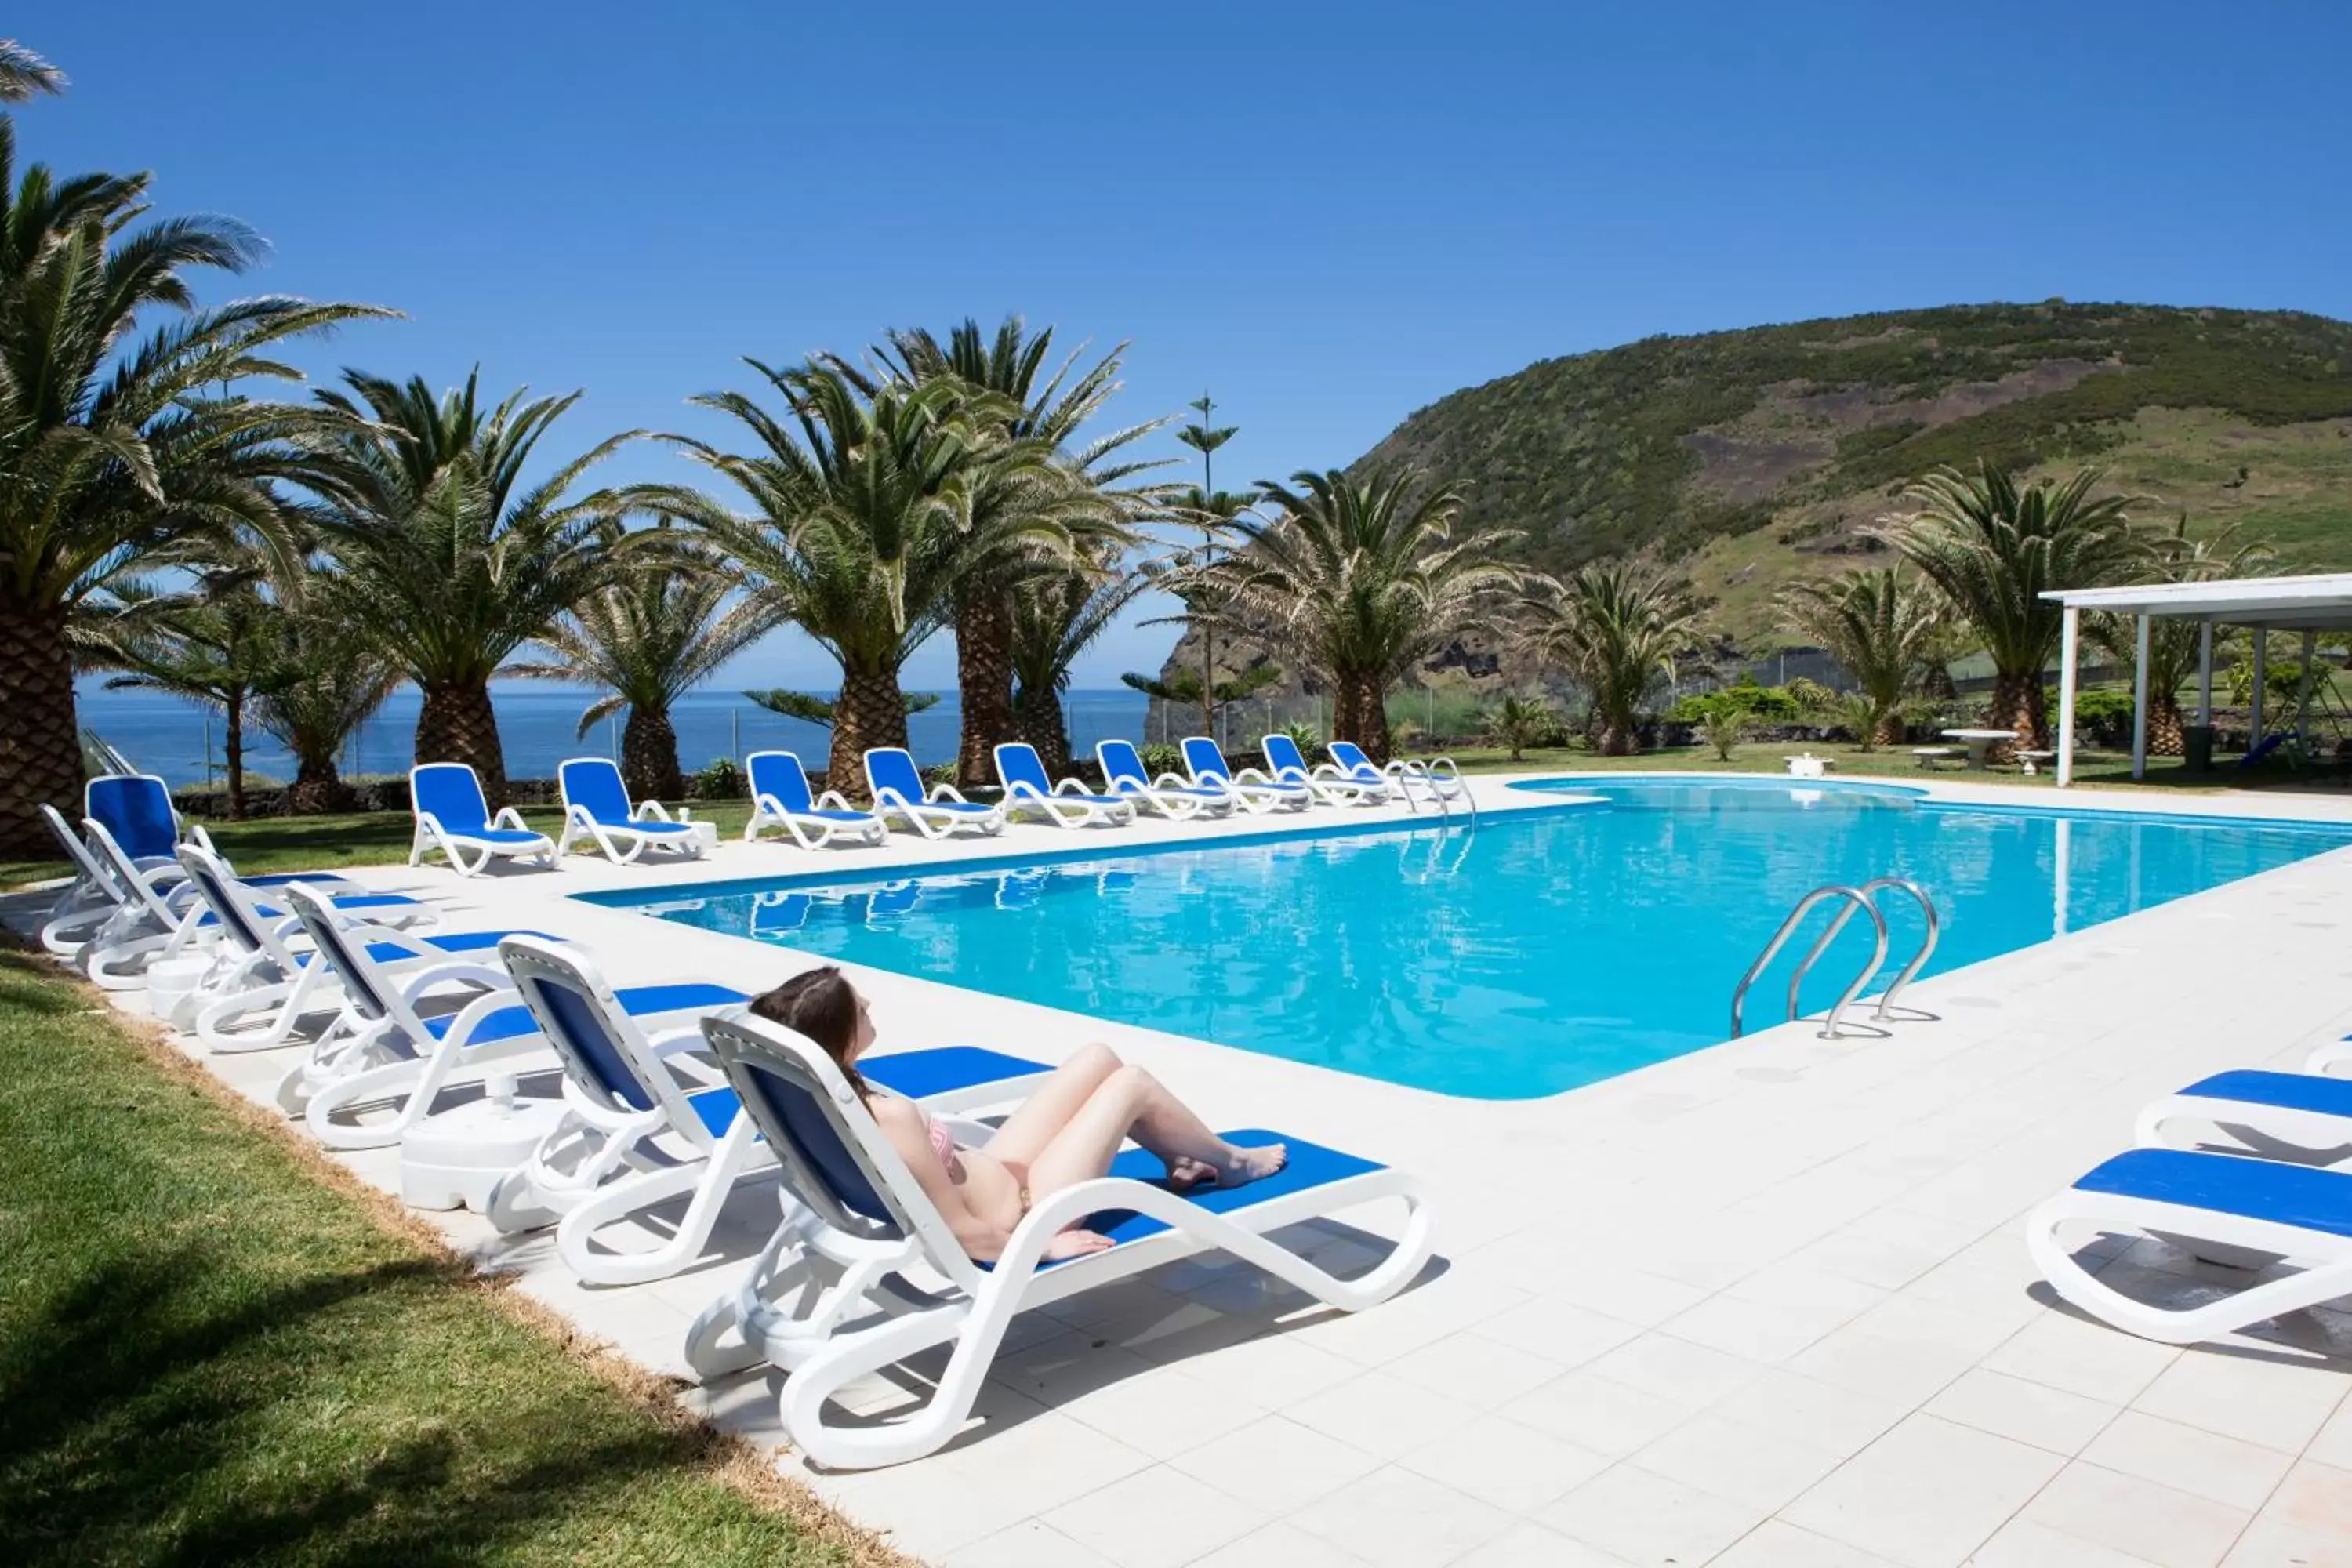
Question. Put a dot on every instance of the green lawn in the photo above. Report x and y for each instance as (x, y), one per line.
(209, 1354)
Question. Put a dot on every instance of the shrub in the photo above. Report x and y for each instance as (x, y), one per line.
(719, 779)
(2105, 715)
(1723, 722)
(1162, 757)
(1304, 735)
(1761, 704)
(1518, 723)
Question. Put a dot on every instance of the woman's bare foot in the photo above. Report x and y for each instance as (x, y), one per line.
(1253, 1164)
(1186, 1172)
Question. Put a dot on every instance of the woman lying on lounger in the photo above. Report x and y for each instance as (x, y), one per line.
(1067, 1132)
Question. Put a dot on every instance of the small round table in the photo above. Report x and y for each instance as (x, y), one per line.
(1980, 742)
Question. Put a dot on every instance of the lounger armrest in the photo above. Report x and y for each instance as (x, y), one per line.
(943, 792)
(202, 841)
(651, 811)
(471, 971)
(1253, 776)
(1071, 786)
(833, 800)
(1171, 781)
(364, 935)
(509, 817)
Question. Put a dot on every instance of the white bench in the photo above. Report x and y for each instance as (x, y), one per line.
(1933, 757)
(2031, 762)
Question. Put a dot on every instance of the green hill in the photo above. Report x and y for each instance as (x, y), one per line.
(1755, 457)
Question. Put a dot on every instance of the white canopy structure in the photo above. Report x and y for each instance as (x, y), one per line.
(2307, 605)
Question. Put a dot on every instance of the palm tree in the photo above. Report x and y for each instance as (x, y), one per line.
(336, 676)
(112, 447)
(1518, 723)
(861, 526)
(447, 557)
(1881, 630)
(1057, 618)
(1994, 549)
(219, 645)
(2174, 650)
(1616, 629)
(24, 73)
(646, 641)
(1015, 408)
(1360, 580)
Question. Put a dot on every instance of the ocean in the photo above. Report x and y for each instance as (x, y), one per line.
(183, 742)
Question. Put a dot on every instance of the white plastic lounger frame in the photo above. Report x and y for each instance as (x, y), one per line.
(1250, 789)
(2303, 1117)
(897, 787)
(1168, 794)
(453, 816)
(1067, 804)
(622, 1096)
(384, 1055)
(255, 969)
(1287, 766)
(596, 809)
(829, 1299)
(781, 798)
(2333, 1059)
(2174, 1201)
(94, 900)
(1406, 774)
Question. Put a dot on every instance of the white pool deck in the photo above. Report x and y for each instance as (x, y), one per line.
(1765, 1304)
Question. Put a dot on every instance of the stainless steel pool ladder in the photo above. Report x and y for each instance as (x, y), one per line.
(1864, 898)
(1444, 790)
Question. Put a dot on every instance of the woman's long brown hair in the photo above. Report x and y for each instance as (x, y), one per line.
(821, 1006)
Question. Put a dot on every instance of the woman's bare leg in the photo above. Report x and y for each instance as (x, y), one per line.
(1131, 1103)
(1034, 1122)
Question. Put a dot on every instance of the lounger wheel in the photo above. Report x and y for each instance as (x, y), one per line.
(514, 1206)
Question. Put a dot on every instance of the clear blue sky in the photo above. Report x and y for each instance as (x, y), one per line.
(1331, 214)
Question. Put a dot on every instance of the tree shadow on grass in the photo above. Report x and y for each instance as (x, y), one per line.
(168, 1410)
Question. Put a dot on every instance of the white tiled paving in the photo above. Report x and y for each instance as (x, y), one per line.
(1765, 1304)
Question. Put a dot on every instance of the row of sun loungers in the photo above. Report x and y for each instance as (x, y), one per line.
(454, 819)
(672, 1091)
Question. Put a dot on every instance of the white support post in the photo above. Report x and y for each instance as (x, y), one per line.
(2069, 645)
(2139, 699)
(2205, 675)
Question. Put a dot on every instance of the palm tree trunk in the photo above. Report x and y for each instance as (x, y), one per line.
(317, 787)
(2165, 736)
(1888, 731)
(1359, 713)
(232, 749)
(2017, 707)
(649, 756)
(458, 724)
(1037, 717)
(870, 711)
(40, 744)
(983, 635)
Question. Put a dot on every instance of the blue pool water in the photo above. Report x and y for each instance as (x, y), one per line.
(1561, 947)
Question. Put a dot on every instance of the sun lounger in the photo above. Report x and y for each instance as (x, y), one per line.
(830, 1299)
(1438, 777)
(1287, 766)
(596, 809)
(1168, 794)
(1248, 788)
(1068, 803)
(2293, 1115)
(779, 798)
(453, 816)
(897, 787)
(255, 970)
(2226, 1208)
(642, 1128)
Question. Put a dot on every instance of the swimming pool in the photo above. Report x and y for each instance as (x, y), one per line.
(1556, 947)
